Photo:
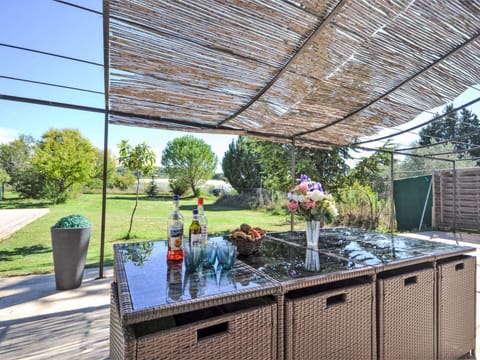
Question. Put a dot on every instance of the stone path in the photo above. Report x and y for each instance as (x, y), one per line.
(12, 220)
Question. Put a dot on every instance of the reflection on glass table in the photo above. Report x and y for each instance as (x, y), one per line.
(152, 281)
(285, 262)
(368, 247)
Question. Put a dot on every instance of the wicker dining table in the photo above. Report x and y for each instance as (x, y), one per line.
(357, 295)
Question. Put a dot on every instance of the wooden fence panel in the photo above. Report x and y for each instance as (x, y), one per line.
(456, 202)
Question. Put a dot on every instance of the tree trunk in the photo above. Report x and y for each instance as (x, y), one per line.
(134, 209)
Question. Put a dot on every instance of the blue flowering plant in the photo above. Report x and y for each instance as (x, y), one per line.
(308, 199)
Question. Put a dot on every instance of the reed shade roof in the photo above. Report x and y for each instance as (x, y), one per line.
(314, 73)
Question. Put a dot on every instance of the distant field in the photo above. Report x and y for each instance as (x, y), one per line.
(29, 251)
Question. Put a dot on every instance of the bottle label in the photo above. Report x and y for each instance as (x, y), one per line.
(204, 233)
(195, 239)
(175, 237)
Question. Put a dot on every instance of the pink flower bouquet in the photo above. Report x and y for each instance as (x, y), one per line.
(309, 200)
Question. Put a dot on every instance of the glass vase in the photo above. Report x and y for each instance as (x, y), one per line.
(312, 260)
(312, 257)
(312, 232)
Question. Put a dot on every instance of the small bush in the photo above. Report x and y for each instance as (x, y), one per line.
(360, 207)
(152, 189)
(178, 187)
(72, 221)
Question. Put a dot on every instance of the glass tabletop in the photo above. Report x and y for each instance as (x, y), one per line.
(371, 248)
(285, 262)
(152, 281)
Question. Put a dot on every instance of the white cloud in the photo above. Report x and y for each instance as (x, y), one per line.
(7, 135)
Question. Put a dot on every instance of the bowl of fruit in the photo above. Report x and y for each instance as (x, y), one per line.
(247, 239)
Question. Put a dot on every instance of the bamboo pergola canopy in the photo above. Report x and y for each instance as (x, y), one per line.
(312, 73)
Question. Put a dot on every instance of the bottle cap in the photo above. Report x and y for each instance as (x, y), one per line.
(195, 212)
(200, 201)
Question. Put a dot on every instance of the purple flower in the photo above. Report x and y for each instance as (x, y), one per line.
(316, 186)
(304, 178)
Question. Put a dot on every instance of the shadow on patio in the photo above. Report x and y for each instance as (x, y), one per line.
(39, 322)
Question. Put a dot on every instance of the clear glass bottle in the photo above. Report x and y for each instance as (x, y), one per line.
(175, 232)
(202, 219)
(195, 231)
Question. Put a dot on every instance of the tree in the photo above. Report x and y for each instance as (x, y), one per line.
(65, 158)
(96, 177)
(274, 160)
(139, 159)
(15, 159)
(241, 166)
(372, 170)
(419, 165)
(4, 178)
(190, 160)
(463, 128)
(327, 166)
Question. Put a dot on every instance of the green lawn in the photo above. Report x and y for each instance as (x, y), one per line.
(29, 250)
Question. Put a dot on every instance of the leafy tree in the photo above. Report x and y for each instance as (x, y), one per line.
(440, 129)
(463, 128)
(419, 165)
(65, 158)
(274, 160)
(123, 180)
(241, 166)
(4, 178)
(96, 177)
(139, 159)
(15, 157)
(327, 166)
(190, 160)
(32, 183)
(373, 170)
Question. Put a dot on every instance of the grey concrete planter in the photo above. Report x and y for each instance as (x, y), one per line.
(69, 254)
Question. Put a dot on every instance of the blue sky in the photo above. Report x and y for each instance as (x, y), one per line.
(50, 26)
(53, 27)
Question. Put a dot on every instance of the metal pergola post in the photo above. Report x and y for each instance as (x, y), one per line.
(392, 194)
(292, 183)
(106, 65)
(454, 166)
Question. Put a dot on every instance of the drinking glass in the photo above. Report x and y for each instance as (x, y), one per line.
(193, 255)
(226, 255)
(209, 255)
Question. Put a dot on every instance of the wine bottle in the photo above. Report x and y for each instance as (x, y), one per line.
(202, 219)
(195, 231)
(175, 232)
